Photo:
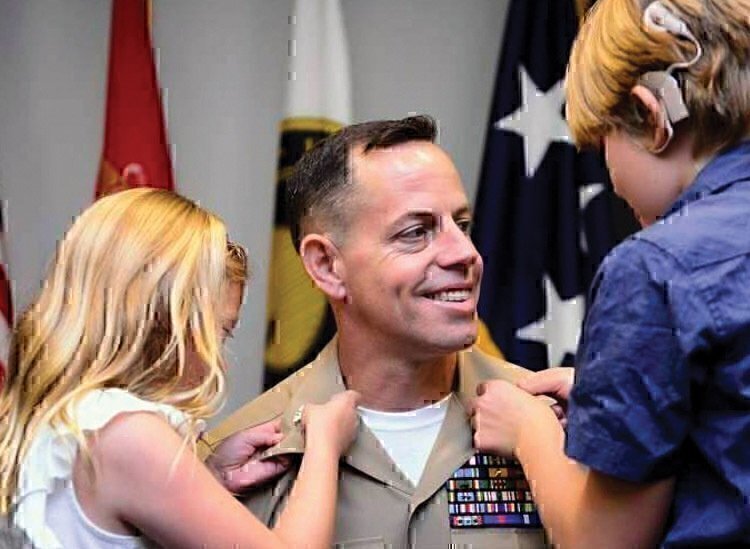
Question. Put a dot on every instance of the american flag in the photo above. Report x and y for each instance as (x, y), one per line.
(6, 301)
(543, 216)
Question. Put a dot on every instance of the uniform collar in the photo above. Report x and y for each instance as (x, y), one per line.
(453, 446)
(322, 381)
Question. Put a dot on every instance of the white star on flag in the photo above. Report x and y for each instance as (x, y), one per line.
(538, 120)
(585, 195)
(559, 328)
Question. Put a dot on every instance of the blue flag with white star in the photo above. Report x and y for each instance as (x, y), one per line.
(543, 215)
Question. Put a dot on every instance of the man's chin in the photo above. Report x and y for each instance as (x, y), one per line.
(469, 340)
(457, 343)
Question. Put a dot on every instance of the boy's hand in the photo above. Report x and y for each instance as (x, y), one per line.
(499, 413)
(555, 382)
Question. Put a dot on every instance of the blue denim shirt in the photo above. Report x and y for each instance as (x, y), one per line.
(663, 370)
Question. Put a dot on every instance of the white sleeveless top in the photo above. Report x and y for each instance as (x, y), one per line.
(47, 509)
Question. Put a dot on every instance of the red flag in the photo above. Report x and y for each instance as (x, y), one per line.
(135, 152)
(6, 304)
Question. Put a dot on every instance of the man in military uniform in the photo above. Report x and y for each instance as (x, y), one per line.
(380, 218)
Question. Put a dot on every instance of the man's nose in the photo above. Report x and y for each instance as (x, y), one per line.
(455, 246)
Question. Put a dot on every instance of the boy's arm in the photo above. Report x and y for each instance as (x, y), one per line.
(579, 507)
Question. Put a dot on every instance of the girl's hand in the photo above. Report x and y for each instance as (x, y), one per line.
(234, 462)
(334, 422)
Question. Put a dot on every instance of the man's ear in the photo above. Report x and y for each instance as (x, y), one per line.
(322, 262)
(660, 129)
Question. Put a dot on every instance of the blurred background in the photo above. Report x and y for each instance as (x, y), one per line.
(223, 69)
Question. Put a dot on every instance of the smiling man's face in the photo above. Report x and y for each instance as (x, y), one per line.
(411, 272)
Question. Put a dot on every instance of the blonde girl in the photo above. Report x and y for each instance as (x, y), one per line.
(112, 369)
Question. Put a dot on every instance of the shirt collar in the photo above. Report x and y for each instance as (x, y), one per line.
(723, 170)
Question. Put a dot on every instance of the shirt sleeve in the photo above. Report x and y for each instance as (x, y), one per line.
(629, 410)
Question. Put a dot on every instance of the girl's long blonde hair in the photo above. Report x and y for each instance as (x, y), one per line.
(136, 279)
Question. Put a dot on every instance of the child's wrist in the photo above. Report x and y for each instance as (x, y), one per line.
(539, 417)
(322, 449)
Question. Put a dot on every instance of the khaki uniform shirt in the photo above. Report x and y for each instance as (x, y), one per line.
(377, 505)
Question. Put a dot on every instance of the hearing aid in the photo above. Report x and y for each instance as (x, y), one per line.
(663, 84)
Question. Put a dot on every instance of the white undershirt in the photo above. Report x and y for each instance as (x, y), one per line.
(408, 437)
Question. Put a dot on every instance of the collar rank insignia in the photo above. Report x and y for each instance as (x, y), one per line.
(490, 492)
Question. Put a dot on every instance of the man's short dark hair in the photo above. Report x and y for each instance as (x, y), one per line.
(322, 179)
